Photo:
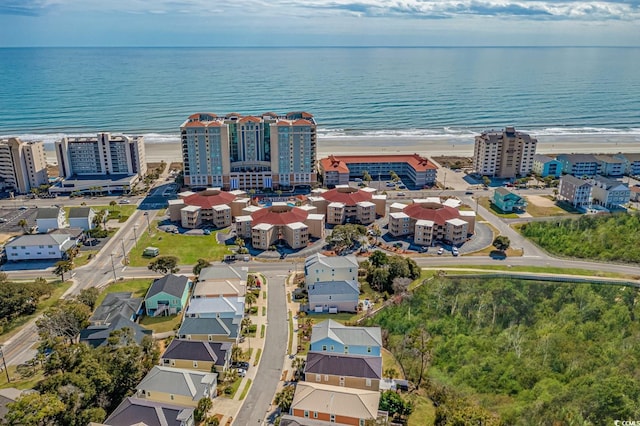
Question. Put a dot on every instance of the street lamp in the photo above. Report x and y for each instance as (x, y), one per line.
(124, 252)
(146, 214)
(113, 267)
(4, 363)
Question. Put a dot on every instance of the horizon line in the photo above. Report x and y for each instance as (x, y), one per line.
(325, 47)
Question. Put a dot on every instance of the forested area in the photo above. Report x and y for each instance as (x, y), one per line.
(599, 237)
(524, 353)
(17, 299)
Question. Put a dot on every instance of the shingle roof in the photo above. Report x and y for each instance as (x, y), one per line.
(543, 158)
(42, 240)
(223, 273)
(369, 367)
(333, 262)
(48, 213)
(341, 287)
(177, 381)
(79, 212)
(198, 350)
(338, 400)
(170, 284)
(133, 411)
(578, 158)
(209, 326)
(97, 335)
(573, 180)
(350, 336)
(220, 305)
(119, 303)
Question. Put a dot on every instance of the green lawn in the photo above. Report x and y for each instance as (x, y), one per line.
(121, 209)
(487, 204)
(547, 270)
(247, 386)
(15, 326)
(17, 381)
(424, 413)
(138, 287)
(342, 317)
(290, 331)
(258, 354)
(187, 248)
(161, 324)
(83, 258)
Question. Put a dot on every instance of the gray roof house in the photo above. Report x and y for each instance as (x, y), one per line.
(177, 385)
(119, 303)
(82, 217)
(49, 218)
(134, 411)
(319, 267)
(333, 296)
(332, 336)
(362, 372)
(210, 329)
(197, 354)
(97, 335)
(223, 272)
(40, 246)
(167, 295)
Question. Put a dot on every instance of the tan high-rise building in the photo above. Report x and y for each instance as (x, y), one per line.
(23, 165)
(249, 152)
(505, 154)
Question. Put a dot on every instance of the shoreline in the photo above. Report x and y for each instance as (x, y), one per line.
(429, 147)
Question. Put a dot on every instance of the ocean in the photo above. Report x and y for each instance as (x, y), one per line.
(352, 92)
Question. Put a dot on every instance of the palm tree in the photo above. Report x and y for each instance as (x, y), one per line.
(23, 224)
(62, 267)
(250, 298)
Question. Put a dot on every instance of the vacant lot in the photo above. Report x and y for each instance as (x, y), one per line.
(540, 206)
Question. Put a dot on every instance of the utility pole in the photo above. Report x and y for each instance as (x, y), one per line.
(113, 267)
(4, 363)
(146, 214)
(135, 237)
(124, 252)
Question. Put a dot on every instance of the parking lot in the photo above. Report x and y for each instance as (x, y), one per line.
(11, 217)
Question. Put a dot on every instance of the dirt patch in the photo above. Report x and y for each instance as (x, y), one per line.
(540, 201)
(454, 162)
(53, 170)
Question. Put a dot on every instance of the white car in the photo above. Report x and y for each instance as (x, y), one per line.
(125, 202)
(454, 251)
(440, 250)
(241, 372)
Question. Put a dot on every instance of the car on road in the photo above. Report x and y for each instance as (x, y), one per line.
(125, 202)
(391, 184)
(23, 208)
(468, 193)
(440, 250)
(401, 194)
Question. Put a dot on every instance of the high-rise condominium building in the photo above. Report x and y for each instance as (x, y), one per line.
(249, 152)
(505, 154)
(102, 155)
(23, 165)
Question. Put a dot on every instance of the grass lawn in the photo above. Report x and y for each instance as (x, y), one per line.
(424, 413)
(161, 324)
(262, 329)
(83, 258)
(290, 331)
(546, 270)
(342, 317)
(17, 381)
(487, 204)
(138, 287)
(247, 386)
(187, 248)
(12, 328)
(258, 354)
(542, 211)
(389, 361)
(234, 387)
(121, 209)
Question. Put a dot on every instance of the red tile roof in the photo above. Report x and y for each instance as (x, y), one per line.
(331, 163)
(301, 122)
(283, 123)
(249, 118)
(426, 212)
(416, 161)
(347, 196)
(266, 215)
(208, 198)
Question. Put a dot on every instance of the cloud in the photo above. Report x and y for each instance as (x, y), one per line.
(26, 7)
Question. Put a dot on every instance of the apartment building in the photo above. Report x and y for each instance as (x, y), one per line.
(23, 165)
(575, 191)
(249, 152)
(544, 166)
(504, 154)
(609, 193)
(579, 164)
(347, 204)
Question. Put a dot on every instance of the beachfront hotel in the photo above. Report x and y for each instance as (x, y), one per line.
(345, 204)
(419, 171)
(112, 162)
(210, 207)
(23, 165)
(504, 154)
(249, 152)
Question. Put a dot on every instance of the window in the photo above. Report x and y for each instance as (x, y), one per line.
(171, 396)
(332, 418)
(346, 349)
(306, 414)
(361, 422)
(315, 414)
(326, 377)
(318, 377)
(195, 364)
(368, 383)
(324, 347)
(368, 349)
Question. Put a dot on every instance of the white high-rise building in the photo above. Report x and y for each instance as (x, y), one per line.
(104, 154)
(245, 152)
(23, 165)
(505, 154)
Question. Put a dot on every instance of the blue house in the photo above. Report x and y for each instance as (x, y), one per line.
(331, 336)
(167, 295)
(508, 201)
(544, 166)
(579, 165)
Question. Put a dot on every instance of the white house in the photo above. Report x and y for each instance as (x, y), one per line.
(319, 267)
(334, 296)
(82, 217)
(50, 218)
(41, 246)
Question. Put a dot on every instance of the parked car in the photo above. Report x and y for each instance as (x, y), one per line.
(241, 372)
(125, 202)
(401, 194)
(440, 250)
(454, 251)
(391, 184)
(243, 365)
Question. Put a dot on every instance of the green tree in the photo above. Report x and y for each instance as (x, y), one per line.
(378, 258)
(200, 265)
(366, 176)
(34, 409)
(501, 242)
(165, 265)
(395, 405)
(394, 176)
(88, 296)
(64, 320)
(250, 298)
(346, 236)
(204, 405)
(486, 181)
(22, 223)
(62, 267)
(284, 398)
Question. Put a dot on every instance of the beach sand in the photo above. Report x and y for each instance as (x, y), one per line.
(591, 144)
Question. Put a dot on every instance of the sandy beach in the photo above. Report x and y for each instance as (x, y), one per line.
(170, 152)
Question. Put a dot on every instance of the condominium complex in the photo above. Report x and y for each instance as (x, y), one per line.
(23, 165)
(249, 152)
(104, 154)
(505, 154)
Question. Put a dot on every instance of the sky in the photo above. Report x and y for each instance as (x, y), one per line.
(319, 23)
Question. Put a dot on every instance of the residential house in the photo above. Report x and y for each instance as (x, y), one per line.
(221, 280)
(167, 295)
(331, 336)
(611, 165)
(352, 371)
(635, 193)
(609, 193)
(39, 247)
(97, 334)
(631, 163)
(50, 218)
(135, 411)
(197, 355)
(9, 396)
(333, 296)
(210, 329)
(319, 404)
(319, 267)
(579, 165)
(575, 191)
(508, 201)
(216, 307)
(82, 217)
(177, 386)
(544, 166)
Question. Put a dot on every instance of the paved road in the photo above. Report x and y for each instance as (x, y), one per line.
(258, 402)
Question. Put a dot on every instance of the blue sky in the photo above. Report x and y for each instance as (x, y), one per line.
(318, 22)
